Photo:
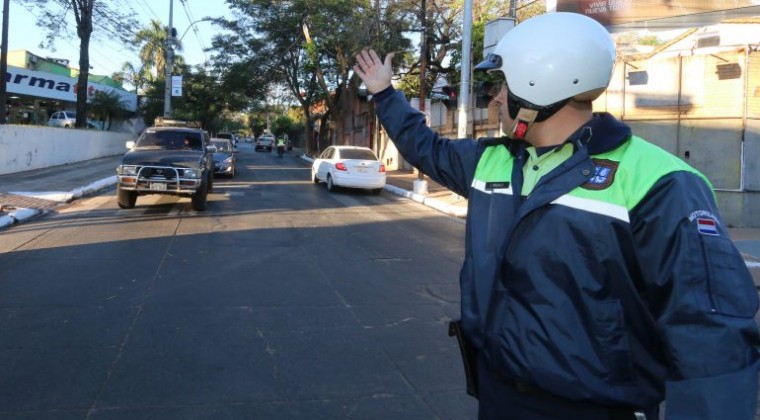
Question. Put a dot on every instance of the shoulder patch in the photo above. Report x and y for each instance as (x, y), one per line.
(706, 222)
(604, 174)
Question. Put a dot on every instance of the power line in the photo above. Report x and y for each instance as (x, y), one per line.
(147, 6)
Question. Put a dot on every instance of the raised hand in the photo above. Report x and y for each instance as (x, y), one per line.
(375, 73)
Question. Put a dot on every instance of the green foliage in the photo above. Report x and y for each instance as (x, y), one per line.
(308, 47)
(151, 42)
(257, 124)
(282, 125)
(107, 107)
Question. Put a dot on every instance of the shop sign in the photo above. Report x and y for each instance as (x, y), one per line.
(53, 86)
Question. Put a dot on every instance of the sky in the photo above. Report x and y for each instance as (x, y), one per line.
(107, 56)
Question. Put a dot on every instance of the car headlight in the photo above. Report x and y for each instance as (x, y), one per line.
(228, 160)
(192, 173)
(127, 170)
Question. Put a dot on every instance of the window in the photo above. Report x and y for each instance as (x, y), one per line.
(363, 154)
(171, 140)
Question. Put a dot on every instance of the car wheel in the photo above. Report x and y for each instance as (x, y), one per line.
(211, 183)
(125, 198)
(200, 198)
(330, 184)
(376, 190)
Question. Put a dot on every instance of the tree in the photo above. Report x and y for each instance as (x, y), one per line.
(282, 125)
(308, 46)
(108, 106)
(137, 77)
(54, 16)
(152, 44)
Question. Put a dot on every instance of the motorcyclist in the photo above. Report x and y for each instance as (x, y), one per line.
(280, 146)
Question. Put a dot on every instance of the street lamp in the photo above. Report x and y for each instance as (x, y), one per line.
(206, 19)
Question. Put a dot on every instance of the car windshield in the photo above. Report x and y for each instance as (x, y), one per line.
(166, 139)
(357, 154)
(70, 115)
(222, 146)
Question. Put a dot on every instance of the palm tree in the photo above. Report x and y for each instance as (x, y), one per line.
(152, 43)
(134, 76)
(108, 106)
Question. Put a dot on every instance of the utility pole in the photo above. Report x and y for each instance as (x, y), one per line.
(169, 64)
(420, 185)
(464, 86)
(4, 63)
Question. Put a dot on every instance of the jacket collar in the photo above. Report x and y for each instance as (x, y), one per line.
(600, 134)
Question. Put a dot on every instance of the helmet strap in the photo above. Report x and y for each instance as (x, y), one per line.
(523, 120)
(515, 104)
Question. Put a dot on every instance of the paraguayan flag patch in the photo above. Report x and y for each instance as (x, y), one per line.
(707, 226)
(707, 223)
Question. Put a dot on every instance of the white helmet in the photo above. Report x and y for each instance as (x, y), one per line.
(552, 58)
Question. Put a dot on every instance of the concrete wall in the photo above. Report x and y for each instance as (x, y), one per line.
(23, 148)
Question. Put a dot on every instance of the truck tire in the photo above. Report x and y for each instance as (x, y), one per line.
(200, 198)
(125, 198)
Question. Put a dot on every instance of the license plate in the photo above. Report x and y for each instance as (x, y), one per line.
(157, 186)
(361, 169)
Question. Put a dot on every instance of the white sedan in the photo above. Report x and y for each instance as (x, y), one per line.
(349, 166)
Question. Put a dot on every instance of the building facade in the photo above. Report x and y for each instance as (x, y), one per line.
(37, 87)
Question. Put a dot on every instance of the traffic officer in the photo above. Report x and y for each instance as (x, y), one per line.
(599, 278)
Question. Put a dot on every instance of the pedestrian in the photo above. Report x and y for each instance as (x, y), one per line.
(599, 278)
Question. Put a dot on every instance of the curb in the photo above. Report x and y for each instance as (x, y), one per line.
(20, 215)
(17, 216)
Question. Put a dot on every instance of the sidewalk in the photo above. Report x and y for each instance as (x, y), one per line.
(29, 194)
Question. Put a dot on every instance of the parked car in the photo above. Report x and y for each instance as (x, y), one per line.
(349, 166)
(265, 142)
(174, 158)
(224, 157)
(66, 119)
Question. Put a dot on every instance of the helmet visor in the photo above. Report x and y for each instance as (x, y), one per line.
(492, 62)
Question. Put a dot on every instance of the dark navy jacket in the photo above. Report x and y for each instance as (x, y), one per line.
(614, 281)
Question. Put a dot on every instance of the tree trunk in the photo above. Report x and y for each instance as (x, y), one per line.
(308, 131)
(83, 15)
(84, 72)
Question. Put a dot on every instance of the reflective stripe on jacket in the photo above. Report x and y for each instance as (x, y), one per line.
(614, 281)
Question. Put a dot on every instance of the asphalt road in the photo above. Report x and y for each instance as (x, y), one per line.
(282, 301)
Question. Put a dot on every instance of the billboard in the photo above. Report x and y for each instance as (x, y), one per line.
(667, 14)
